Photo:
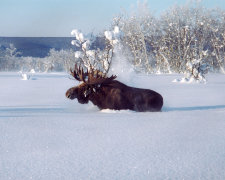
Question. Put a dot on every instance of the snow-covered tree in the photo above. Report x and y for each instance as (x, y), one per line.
(8, 58)
(180, 37)
(59, 60)
(95, 58)
(137, 29)
(196, 71)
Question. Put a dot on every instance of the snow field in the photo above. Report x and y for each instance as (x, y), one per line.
(43, 135)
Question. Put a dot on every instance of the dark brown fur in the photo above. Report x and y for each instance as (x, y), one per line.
(116, 95)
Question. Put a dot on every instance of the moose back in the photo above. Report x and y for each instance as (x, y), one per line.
(108, 93)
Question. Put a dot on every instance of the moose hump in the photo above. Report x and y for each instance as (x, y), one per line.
(108, 93)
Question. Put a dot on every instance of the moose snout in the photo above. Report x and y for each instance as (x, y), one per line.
(68, 95)
(71, 93)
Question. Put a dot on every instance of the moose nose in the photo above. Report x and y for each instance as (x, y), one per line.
(67, 95)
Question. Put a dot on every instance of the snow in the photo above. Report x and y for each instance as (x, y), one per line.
(75, 43)
(78, 54)
(86, 45)
(75, 32)
(116, 30)
(108, 35)
(91, 53)
(79, 36)
(43, 135)
(32, 71)
(25, 76)
(113, 36)
(187, 80)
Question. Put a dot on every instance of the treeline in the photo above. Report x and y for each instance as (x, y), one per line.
(180, 38)
(10, 60)
(56, 60)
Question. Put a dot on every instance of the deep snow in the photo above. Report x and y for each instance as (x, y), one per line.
(43, 135)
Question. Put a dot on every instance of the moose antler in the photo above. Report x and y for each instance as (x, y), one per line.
(90, 77)
(78, 73)
(97, 77)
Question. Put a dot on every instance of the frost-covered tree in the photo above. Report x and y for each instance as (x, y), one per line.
(184, 37)
(95, 58)
(180, 37)
(55, 61)
(2, 57)
(59, 60)
(217, 39)
(136, 29)
(8, 58)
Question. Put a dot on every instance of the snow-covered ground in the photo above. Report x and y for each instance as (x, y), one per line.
(43, 135)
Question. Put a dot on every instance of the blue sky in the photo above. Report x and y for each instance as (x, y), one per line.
(58, 17)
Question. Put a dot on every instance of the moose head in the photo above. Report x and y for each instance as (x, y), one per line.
(92, 81)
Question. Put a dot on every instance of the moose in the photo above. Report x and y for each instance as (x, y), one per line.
(108, 93)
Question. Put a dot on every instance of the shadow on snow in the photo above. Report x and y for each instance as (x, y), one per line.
(27, 111)
(194, 108)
